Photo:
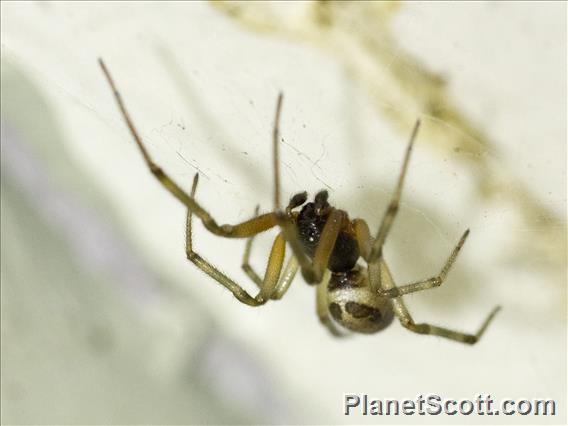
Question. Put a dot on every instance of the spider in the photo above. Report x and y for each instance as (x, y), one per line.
(326, 246)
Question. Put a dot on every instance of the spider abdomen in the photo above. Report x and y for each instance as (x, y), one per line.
(354, 306)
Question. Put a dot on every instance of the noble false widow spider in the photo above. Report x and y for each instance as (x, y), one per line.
(326, 246)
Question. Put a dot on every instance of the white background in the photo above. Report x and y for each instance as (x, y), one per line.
(202, 90)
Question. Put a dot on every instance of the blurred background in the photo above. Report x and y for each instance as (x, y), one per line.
(103, 318)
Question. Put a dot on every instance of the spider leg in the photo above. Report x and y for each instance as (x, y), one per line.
(246, 256)
(430, 282)
(312, 271)
(241, 230)
(271, 277)
(392, 209)
(323, 310)
(406, 320)
(363, 237)
(286, 277)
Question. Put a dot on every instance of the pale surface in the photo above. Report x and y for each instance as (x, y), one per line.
(103, 319)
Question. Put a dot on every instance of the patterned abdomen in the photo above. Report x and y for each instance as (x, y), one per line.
(354, 306)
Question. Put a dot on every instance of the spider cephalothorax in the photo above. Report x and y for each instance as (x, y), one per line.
(310, 223)
(326, 246)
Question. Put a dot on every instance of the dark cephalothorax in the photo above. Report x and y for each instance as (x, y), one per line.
(310, 223)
